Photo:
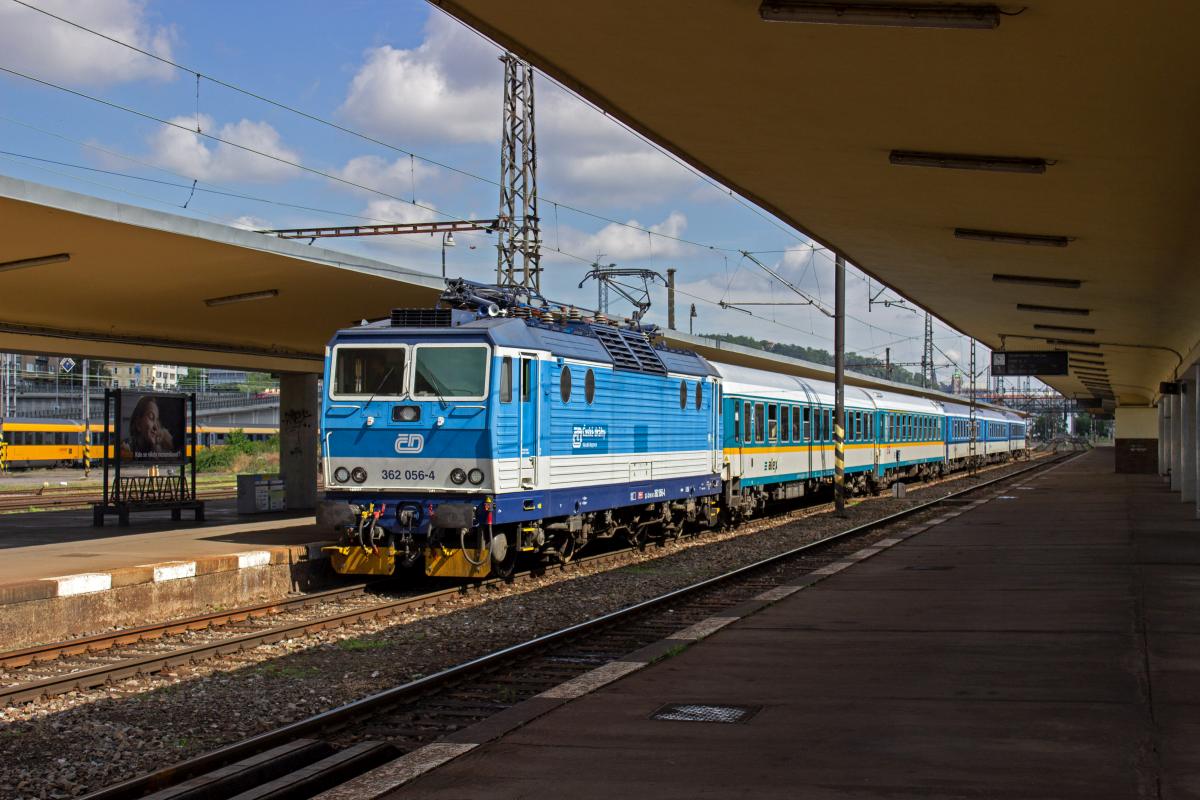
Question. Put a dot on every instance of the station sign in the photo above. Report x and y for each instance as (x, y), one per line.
(1029, 362)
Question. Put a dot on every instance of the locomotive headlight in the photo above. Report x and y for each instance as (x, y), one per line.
(341, 474)
(458, 476)
(406, 413)
(358, 475)
(475, 476)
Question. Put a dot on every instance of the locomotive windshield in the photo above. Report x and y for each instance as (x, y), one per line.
(369, 371)
(450, 372)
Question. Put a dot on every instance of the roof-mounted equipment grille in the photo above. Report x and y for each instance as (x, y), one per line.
(421, 317)
(630, 350)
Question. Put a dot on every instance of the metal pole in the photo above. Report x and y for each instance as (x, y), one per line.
(839, 378)
(671, 299)
(443, 256)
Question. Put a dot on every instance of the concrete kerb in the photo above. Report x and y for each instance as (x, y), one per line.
(59, 607)
(395, 774)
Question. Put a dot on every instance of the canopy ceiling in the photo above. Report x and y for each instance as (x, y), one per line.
(802, 118)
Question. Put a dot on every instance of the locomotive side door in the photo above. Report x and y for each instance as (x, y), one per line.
(528, 422)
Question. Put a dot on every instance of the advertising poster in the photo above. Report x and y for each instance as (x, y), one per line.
(153, 427)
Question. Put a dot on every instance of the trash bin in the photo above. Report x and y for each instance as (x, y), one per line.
(254, 494)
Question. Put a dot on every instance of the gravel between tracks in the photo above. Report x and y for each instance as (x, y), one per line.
(83, 741)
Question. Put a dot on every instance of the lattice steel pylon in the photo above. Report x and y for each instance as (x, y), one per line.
(518, 257)
(927, 369)
(973, 446)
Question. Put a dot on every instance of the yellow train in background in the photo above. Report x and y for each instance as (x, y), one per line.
(60, 442)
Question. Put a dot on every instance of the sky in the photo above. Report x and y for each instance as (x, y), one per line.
(424, 93)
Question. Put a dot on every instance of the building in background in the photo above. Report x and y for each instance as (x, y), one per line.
(226, 377)
(148, 376)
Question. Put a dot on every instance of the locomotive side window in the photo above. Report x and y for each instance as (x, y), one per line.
(526, 378)
(506, 379)
(369, 371)
(699, 395)
(683, 393)
(454, 371)
(564, 384)
(589, 387)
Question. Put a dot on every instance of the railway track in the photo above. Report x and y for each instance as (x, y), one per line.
(357, 736)
(52, 669)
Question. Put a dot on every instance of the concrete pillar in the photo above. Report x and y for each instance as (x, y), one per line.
(1187, 441)
(1176, 442)
(299, 410)
(1162, 436)
(1194, 411)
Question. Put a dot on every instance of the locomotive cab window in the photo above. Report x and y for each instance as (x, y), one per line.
(366, 371)
(452, 371)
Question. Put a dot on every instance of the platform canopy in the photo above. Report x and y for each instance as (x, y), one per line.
(804, 118)
(90, 277)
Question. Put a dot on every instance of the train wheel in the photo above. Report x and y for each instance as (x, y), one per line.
(504, 558)
(566, 548)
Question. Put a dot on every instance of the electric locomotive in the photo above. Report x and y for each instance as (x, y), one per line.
(462, 436)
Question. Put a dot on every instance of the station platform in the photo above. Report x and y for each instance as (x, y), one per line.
(1045, 643)
(61, 577)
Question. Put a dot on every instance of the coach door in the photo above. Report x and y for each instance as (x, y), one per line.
(529, 420)
(808, 419)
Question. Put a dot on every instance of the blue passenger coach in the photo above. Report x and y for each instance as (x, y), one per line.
(462, 438)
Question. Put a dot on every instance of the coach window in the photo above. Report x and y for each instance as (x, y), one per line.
(506, 379)
(564, 384)
(773, 422)
(760, 425)
(785, 424)
(589, 387)
(747, 423)
(827, 424)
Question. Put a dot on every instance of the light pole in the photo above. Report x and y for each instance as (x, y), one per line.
(447, 241)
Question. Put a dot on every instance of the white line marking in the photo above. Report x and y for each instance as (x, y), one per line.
(84, 583)
(255, 558)
(703, 628)
(394, 774)
(590, 681)
(173, 570)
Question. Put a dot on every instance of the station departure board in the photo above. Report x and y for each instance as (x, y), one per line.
(1029, 362)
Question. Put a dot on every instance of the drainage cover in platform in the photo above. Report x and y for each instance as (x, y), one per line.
(695, 712)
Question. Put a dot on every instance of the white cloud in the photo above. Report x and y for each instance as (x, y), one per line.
(249, 222)
(621, 243)
(184, 152)
(53, 50)
(400, 177)
(447, 88)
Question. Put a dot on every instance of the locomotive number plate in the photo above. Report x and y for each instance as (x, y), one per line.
(408, 475)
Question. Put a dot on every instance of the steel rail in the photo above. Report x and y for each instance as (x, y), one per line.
(146, 665)
(198, 765)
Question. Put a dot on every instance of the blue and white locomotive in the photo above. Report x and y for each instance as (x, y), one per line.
(461, 437)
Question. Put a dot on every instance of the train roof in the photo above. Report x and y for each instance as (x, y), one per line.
(39, 421)
(623, 348)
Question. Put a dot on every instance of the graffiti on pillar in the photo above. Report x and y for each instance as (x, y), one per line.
(293, 423)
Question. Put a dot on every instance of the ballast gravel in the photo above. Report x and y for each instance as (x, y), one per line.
(83, 741)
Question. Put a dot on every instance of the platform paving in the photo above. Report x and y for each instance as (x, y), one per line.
(60, 576)
(1045, 644)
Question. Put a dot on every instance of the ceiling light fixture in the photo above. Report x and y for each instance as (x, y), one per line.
(241, 298)
(1082, 312)
(1034, 280)
(917, 158)
(1067, 328)
(25, 263)
(1073, 343)
(897, 15)
(1004, 237)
